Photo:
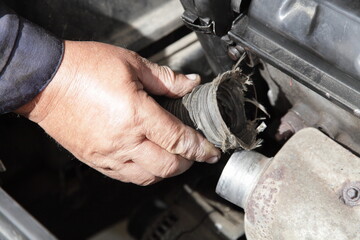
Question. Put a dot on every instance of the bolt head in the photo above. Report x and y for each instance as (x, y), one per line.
(352, 193)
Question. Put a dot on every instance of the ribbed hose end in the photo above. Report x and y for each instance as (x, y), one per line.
(217, 109)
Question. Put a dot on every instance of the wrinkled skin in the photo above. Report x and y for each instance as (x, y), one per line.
(97, 106)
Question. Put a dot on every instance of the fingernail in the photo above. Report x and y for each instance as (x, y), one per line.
(192, 77)
(213, 160)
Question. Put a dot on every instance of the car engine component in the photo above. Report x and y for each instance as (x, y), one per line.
(303, 59)
(16, 223)
(307, 52)
(309, 190)
(217, 109)
(190, 215)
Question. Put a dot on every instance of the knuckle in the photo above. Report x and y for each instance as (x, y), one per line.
(167, 72)
(198, 155)
(173, 138)
(168, 76)
(142, 63)
(176, 87)
(199, 152)
(171, 169)
(102, 163)
(146, 181)
(98, 154)
(181, 145)
(134, 55)
(114, 174)
(186, 145)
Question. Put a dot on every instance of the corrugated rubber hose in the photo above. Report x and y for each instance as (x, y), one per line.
(217, 109)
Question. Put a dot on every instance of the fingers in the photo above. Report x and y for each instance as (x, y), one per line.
(160, 162)
(171, 134)
(150, 164)
(132, 172)
(161, 80)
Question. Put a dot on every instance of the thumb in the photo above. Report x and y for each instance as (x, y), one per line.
(161, 80)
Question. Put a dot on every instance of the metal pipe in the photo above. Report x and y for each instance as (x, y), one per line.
(240, 176)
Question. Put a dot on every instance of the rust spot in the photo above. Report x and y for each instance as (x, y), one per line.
(250, 211)
(273, 190)
(264, 196)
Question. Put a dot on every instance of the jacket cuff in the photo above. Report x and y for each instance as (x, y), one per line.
(33, 60)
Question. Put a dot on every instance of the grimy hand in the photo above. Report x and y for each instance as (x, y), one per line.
(97, 106)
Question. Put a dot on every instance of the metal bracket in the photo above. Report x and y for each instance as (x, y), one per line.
(205, 26)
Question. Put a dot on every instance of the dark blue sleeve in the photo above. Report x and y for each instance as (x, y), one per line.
(29, 58)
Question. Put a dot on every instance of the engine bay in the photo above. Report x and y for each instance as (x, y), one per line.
(296, 178)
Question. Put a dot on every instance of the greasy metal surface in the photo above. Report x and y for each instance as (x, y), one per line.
(311, 109)
(234, 53)
(298, 62)
(240, 176)
(299, 196)
(331, 28)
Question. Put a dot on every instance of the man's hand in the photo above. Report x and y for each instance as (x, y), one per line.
(98, 108)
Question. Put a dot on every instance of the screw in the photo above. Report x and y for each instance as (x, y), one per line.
(234, 53)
